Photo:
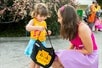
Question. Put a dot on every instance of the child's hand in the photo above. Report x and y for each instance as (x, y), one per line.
(40, 28)
(49, 32)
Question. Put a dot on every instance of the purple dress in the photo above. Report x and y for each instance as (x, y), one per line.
(75, 59)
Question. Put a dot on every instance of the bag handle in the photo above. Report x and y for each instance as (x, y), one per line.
(49, 37)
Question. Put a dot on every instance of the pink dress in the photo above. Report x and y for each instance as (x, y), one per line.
(75, 59)
(98, 24)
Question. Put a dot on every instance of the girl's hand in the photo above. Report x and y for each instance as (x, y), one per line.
(40, 28)
(49, 32)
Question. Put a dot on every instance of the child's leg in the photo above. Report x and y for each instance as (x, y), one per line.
(57, 64)
(37, 66)
(96, 29)
(32, 64)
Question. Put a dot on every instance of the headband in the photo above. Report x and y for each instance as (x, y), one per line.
(62, 8)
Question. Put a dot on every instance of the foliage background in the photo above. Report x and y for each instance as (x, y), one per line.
(15, 14)
(99, 2)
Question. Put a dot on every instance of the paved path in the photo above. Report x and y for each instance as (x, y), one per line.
(12, 56)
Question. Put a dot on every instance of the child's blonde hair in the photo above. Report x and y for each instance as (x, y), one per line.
(41, 9)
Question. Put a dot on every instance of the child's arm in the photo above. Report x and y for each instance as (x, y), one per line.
(30, 27)
(49, 32)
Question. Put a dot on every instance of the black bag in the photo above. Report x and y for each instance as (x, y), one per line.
(42, 55)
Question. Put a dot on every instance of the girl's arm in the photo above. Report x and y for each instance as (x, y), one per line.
(85, 35)
(49, 32)
(71, 46)
(30, 27)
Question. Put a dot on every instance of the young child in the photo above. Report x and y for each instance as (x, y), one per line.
(91, 16)
(98, 24)
(37, 26)
(82, 52)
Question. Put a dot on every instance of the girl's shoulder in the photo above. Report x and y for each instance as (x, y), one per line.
(34, 21)
(84, 30)
(31, 21)
(83, 27)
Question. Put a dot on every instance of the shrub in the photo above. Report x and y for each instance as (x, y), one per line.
(17, 10)
(99, 2)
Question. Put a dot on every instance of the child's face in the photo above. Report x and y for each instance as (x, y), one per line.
(59, 17)
(40, 18)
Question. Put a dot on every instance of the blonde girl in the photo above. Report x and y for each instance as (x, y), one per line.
(36, 27)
